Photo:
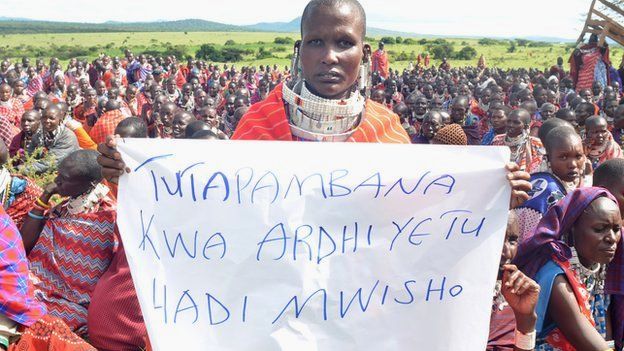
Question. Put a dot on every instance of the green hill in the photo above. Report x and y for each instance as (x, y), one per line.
(188, 25)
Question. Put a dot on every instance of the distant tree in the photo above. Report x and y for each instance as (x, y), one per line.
(263, 54)
(208, 52)
(522, 42)
(185, 33)
(512, 47)
(403, 56)
(409, 41)
(539, 44)
(284, 40)
(398, 40)
(489, 42)
(230, 42)
(441, 51)
(422, 42)
(440, 41)
(466, 53)
(388, 40)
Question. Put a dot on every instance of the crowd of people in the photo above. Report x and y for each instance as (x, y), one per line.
(65, 283)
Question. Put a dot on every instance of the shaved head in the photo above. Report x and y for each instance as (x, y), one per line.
(560, 136)
(316, 4)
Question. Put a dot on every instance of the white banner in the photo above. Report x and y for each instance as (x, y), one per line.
(313, 246)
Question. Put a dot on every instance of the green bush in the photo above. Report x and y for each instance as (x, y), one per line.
(466, 53)
(388, 40)
(409, 41)
(263, 54)
(489, 42)
(25, 168)
(401, 57)
(208, 52)
(230, 43)
(539, 44)
(441, 51)
(284, 40)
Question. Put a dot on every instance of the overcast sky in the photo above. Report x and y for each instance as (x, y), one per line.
(502, 18)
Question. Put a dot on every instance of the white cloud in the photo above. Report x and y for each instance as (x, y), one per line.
(552, 18)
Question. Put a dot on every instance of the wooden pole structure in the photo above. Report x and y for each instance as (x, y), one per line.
(604, 24)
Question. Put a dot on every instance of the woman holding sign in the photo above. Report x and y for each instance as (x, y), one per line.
(323, 100)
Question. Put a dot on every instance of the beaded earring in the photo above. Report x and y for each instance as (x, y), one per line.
(295, 63)
(364, 80)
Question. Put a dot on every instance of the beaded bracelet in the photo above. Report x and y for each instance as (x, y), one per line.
(34, 216)
(42, 204)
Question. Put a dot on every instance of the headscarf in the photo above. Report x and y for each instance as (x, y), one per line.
(453, 134)
(547, 240)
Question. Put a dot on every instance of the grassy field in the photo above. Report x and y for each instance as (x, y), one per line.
(89, 45)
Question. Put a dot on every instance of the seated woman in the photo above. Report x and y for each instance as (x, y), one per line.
(567, 256)
(24, 324)
(71, 244)
(512, 319)
(599, 144)
(565, 167)
(431, 124)
(31, 120)
(57, 140)
(527, 151)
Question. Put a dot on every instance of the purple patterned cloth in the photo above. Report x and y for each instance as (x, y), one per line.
(546, 242)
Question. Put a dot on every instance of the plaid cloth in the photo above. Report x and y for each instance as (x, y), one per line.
(8, 130)
(72, 252)
(106, 125)
(13, 110)
(35, 85)
(17, 300)
(502, 327)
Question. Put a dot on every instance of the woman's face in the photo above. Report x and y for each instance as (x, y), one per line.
(515, 126)
(332, 50)
(510, 246)
(18, 88)
(567, 159)
(498, 119)
(431, 126)
(597, 134)
(597, 232)
(30, 122)
(51, 119)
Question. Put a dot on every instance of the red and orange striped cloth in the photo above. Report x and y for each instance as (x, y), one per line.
(267, 120)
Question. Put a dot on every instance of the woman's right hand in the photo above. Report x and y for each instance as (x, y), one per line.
(110, 160)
